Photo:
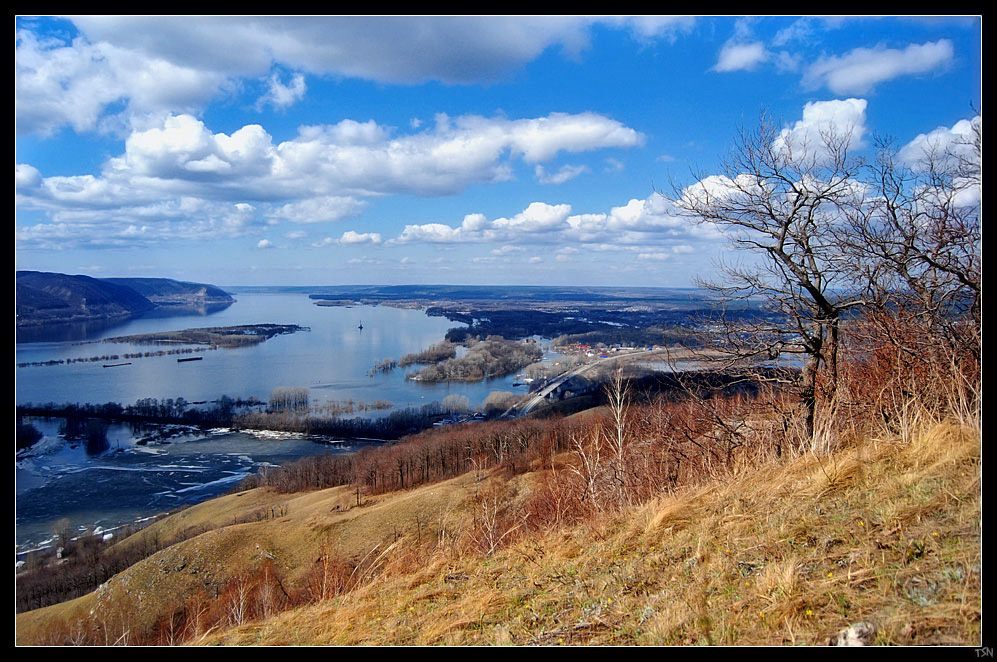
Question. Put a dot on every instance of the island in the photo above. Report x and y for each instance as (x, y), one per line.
(214, 337)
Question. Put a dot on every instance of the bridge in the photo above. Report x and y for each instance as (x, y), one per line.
(536, 399)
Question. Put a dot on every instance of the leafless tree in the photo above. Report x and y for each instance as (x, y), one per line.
(618, 398)
(779, 200)
(916, 233)
(915, 239)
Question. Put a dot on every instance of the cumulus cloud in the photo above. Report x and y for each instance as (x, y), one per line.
(860, 70)
(953, 150)
(443, 159)
(264, 244)
(738, 56)
(72, 83)
(102, 223)
(324, 174)
(183, 148)
(841, 118)
(539, 217)
(352, 237)
(641, 223)
(944, 142)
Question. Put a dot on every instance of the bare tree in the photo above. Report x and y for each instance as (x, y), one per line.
(916, 234)
(779, 199)
(915, 240)
(618, 397)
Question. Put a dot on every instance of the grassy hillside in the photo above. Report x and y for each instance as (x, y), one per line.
(788, 553)
(776, 551)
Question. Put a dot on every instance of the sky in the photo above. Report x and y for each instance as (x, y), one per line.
(492, 150)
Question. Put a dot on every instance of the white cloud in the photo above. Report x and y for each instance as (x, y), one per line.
(183, 148)
(738, 56)
(323, 209)
(26, 176)
(840, 118)
(538, 217)
(431, 233)
(565, 173)
(98, 224)
(654, 222)
(58, 84)
(800, 30)
(941, 143)
(351, 237)
(264, 244)
(154, 65)
(280, 95)
(322, 175)
(860, 70)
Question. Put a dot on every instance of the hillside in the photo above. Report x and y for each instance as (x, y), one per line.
(52, 298)
(167, 292)
(775, 551)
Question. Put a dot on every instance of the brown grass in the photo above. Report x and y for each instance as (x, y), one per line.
(790, 554)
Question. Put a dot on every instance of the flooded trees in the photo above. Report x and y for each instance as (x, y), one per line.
(289, 399)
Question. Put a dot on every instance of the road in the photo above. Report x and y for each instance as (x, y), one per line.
(540, 396)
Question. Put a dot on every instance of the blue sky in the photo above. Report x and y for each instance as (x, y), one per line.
(475, 150)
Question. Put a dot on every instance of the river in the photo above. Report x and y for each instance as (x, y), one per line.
(133, 479)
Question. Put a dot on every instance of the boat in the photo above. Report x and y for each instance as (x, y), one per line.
(115, 365)
(193, 358)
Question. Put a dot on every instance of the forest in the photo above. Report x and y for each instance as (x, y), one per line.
(492, 357)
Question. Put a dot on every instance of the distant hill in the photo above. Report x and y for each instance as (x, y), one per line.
(167, 292)
(52, 298)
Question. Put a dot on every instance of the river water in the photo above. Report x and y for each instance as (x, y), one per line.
(145, 472)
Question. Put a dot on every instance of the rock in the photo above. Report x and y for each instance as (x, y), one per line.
(858, 634)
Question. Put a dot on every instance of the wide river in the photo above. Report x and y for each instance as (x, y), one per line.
(58, 480)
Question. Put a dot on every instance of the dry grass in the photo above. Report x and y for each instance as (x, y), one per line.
(787, 552)
(792, 553)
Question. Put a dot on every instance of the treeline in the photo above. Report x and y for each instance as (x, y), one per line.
(115, 357)
(492, 357)
(525, 444)
(147, 410)
(392, 426)
(638, 337)
(522, 323)
(287, 411)
(441, 351)
(254, 592)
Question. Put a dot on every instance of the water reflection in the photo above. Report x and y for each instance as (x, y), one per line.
(80, 331)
